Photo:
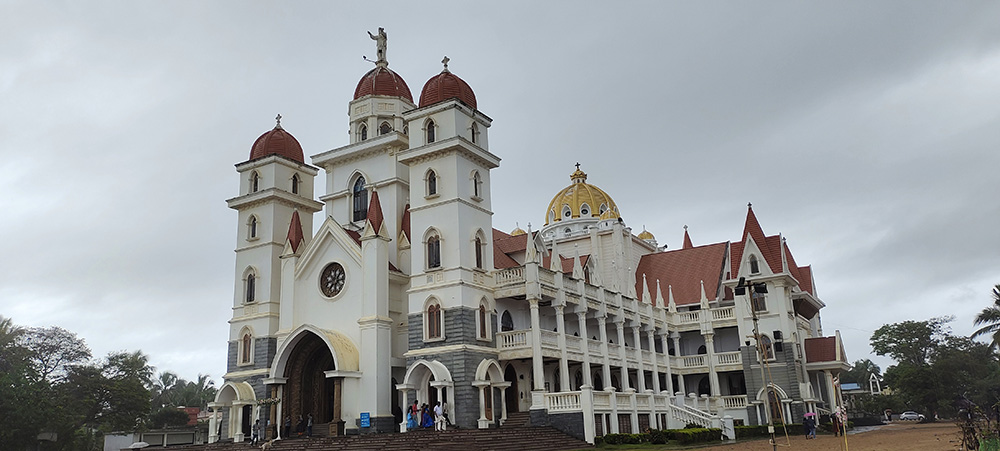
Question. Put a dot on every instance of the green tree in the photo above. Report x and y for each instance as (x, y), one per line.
(168, 417)
(860, 372)
(989, 319)
(54, 350)
(910, 342)
(22, 392)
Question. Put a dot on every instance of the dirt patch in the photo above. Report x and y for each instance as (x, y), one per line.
(911, 437)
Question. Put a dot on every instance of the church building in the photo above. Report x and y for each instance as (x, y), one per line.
(405, 292)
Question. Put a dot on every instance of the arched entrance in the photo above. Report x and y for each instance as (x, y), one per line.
(236, 401)
(510, 375)
(308, 390)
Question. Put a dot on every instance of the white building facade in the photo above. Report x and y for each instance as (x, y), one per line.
(407, 293)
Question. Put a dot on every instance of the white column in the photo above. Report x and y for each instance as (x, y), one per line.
(503, 403)
(831, 392)
(620, 325)
(561, 339)
(238, 435)
(713, 376)
(640, 374)
(606, 366)
(677, 350)
(666, 354)
(277, 421)
(482, 403)
(536, 347)
(656, 365)
(581, 318)
(213, 426)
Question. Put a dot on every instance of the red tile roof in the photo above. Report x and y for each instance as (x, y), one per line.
(382, 81)
(444, 86)
(503, 261)
(567, 262)
(805, 283)
(823, 349)
(295, 232)
(687, 240)
(683, 270)
(277, 142)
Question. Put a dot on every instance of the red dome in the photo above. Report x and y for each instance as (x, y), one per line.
(381, 81)
(444, 86)
(277, 142)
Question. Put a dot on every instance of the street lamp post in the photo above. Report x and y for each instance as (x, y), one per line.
(745, 287)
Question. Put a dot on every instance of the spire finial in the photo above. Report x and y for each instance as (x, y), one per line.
(749, 205)
(685, 227)
(445, 62)
(578, 165)
(277, 120)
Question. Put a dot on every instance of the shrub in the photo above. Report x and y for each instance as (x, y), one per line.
(696, 435)
(625, 439)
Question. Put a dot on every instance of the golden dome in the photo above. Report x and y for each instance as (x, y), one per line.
(517, 231)
(580, 200)
(645, 235)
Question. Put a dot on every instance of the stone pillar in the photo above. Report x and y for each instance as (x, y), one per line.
(213, 425)
(677, 350)
(563, 364)
(606, 365)
(666, 353)
(238, 435)
(640, 373)
(538, 374)
(620, 325)
(830, 390)
(277, 419)
(581, 318)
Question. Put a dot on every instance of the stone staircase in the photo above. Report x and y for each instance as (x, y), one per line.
(517, 420)
(506, 438)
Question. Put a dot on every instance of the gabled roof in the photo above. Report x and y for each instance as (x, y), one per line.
(823, 349)
(404, 224)
(504, 244)
(769, 246)
(375, 218)
(687, 240)
(684, 270)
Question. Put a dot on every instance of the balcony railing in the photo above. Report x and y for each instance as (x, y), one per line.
(734, 402)
(729, 358)
(688, 317)
(722, 314)
(509, 276)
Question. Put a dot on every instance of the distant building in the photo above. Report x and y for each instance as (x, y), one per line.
(407, 292)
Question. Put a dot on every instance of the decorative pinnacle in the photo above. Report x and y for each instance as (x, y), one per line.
(577, 165)
(685, 227)
(277, 120)
(445, 62)
(749, 205)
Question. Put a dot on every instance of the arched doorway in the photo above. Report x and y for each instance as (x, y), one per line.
(506, 321)
(308, 390)
(510, 375)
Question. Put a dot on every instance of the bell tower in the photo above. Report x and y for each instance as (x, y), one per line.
(275, 185)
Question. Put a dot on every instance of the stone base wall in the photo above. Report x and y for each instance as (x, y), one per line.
(569, 423)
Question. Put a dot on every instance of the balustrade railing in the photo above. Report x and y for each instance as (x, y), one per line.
(689, 317)
(729, 358)
(513, 339)
(723, 313)
(563, 402)
(734, 402)
(508, 276)
(692, 361)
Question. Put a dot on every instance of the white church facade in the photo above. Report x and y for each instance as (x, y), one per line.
(407, 293)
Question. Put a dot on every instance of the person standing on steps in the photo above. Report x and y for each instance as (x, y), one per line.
(255, 433)
(439, 424)
(288, 427)
(309, 426)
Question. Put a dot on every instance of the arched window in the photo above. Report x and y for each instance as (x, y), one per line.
(251, 288)
(477, 183)
(774, 405)
(754, 266)
(584, 210)
(430, 132)
(254, 182)
(767, 346)
(475, 133)
(295, 184)
(604, 208)
(362, 132)
(434, 252)
(567, 212)
(384, 128)
(483, 318)
(360, 199)
(434, 321)
(506, 321)
(432, 184)
(246, 347)
(252, 227)
(704, 387)
(702, 350)
(479, 252)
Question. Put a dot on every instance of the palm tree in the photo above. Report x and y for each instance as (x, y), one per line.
(989, 318)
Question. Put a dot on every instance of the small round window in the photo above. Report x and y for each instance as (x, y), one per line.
(331, 280)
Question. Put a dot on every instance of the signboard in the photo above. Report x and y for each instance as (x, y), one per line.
(366, 420)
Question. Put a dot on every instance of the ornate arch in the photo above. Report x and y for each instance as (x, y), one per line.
(343, 350)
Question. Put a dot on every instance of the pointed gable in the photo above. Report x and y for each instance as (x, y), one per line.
(404, 224)
(770, 247)
(684, 270)
(295, 237)
(375, 218)
(687, 239)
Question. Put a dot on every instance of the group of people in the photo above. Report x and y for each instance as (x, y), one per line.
(426, 417)
(303, 426)
(809, 425)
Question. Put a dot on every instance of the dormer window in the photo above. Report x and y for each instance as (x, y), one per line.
(604, 208)
(430, 132)
(567, 213)
(754, 265)
(360, 197)
(384, 128)
(362, 132)
(584, 210)
(295, 184)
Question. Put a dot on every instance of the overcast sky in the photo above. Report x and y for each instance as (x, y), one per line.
(867, 133)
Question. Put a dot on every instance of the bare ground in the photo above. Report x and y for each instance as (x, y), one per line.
(942, 436)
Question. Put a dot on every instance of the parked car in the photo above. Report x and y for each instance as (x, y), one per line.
(910, 415)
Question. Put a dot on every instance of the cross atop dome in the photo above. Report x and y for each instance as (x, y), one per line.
(578, 176)
(277, 120)
(445, 62)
